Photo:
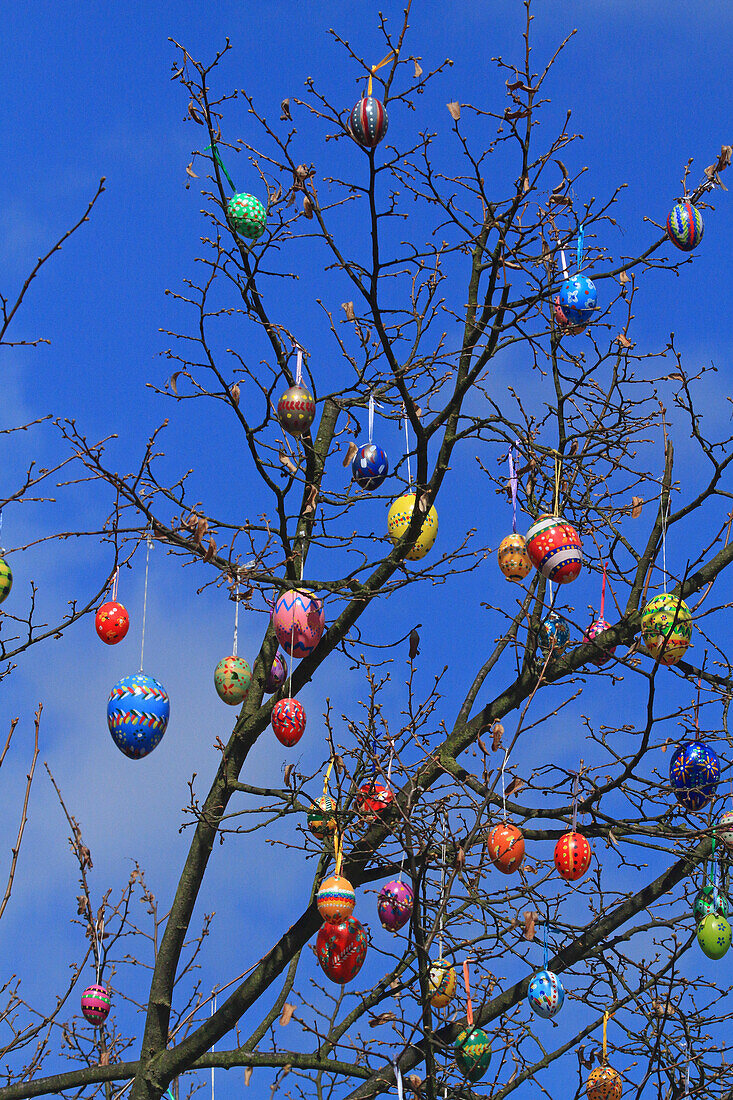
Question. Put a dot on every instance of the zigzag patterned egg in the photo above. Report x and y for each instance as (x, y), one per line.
(95, 1004)
(370, 466)
(546, 994)
(604, 1084)
(666, 628)
(137, 714)
(685, 226)
(554, 547)
(341, 950)
(296, 410)
(247, 215)
(694, 771)
(578, 298)
(368, 121)
(336, 899)
(288, 721)
(299, 622)
(572, 856)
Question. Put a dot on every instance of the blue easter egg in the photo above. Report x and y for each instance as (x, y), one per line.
(370, 466)
(137, 714)
(578, 297)
(545, 994)
(694, 771)
(368, 121)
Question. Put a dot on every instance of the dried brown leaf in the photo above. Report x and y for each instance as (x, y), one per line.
(234, 393)
(194, 113)
(308, 207)
(382, 1018)
(173, 380)
(190, 172)
(395, 986)
(455, 110)
(530, 921)
(286, 1014)
(348, 308)
(247, 1075)
(460, 860)
(675, 377)
(418, 70)
(726, 151)
(515, 785)
(210, 550)
(350, 454)
(287, 462)
(563, 169)
(202, 526)
(413, 1082)
(310, 502)
(623, 341)
(338, 762)
(287, 773)
(414, 644)
(637, 503)
(497, 733)
(623, 278)
(285, 115)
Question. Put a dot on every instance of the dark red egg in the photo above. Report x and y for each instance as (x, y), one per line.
(341, 949)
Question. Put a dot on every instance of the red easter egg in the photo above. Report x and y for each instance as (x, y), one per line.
(572, 856)
(95, 1004)
(288, 721)
(112, 622)
(506, 847)
(341, 949)
(554, 547)
(374, 798)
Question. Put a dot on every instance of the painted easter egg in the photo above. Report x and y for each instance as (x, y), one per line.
(6, 580)
(694, 771)
(373, 799)
(604, 1084)
(553, 636)
(578, 298)
(513, 557)
(322, 818)
(506, 847)
(666, 628)
(299, 621)
(685, 226)
(112, 622)
(137, 714)
(572, 856)
(714, 935)
(288, 721)
(277, 675)
(725, 828)
(336, 899)
(395, 905)
(554, 547)
(368, 121)
(398, 520)
(710, 900)
(247, 215)
(296, 410)
(562, 321)
(341, 950)
(370, 466)
(473, 1053)
(232, 677)
(601, 653)
(442, 984)
(546, 994)
(95, 1004)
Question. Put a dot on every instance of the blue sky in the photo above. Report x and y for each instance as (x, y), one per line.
(87, 93)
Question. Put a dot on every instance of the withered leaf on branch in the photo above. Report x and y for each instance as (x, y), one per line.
(247, 1075)
(676, 377)
(623, 341)
(310, 503)
(637, 504)
(172, 382)
(515, 785)
(623, 278)
(585, 1062)
(530, 922)
(287, 773)
(338, 762)
(285, 115)
(287, 462)
(210, 550)
(194, 112)
(287, 1014)
(563, 169)
(414, 1082)
(497, 733)
(234, 391)
(395, 987)
(460, 859)
(418, 70)
(382, 1018)
(455, 110)
(202, 526)
(104, 1058)
(308, 207)
(348, 308)
(350, 453)
(190, 172)
(414, 644)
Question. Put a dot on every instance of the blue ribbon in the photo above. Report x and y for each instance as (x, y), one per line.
(580, 247)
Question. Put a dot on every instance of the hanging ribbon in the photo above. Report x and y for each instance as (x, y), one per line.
(372, 405)
(513, 482)
(374, 758)
(665, 513)
(606, 1017)
(391, 757)
(325, 781)
(603, 590)
(442, 895)
(407, 446)
(581, 234)
(576, 788)
(338, 851)
(467, 983)
(398, 1079)
(98, 929)
(545, 949)
(299, 366)
(402, 864)
(564, 265)
(503, 789)
(220, 162)
(376, 68)
(687, 1073)
(145, 598)
(114, 584)
(558, 472)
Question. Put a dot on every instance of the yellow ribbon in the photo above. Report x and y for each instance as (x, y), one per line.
(606, 1017)
(325, 781)
(338, 851)
(375, 68)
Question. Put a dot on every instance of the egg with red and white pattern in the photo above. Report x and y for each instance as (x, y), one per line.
(288, 721)
(373, 799)
(368, 121)
(554, 547)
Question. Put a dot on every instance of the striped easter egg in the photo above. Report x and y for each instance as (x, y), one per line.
(554, 547)
(368, 122)
(137, 715)
(336, 899)
(95, 1004)
(685, 226)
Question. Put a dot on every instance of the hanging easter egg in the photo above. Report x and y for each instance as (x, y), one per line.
(604, 1083)
(322, 818)
(6, 580)
(247, 215)
(685, 226)
(395, 905)
(368, 122)
(370, 466)
(95, 1004)
(232, 677)
(288, 721)
(553, 636)
(513, 557)
(710, 900)
(299, 621)
(578, 298)
(554, 547)
(666, 628)
(112, 622)
(341, 950)
(373, 799)
(473, 1053)
(398, 520)
(572, 856)
(546, 994)
(137, 714)
(336, 899)
(562, 321)
(714, 935)
(442, 984)
(296, 410)
(277, 675)
(694, 771)
(506, 847)
(725, 828)
(602, 653)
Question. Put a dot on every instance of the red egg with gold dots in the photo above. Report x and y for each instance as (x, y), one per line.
(572, 856)
(506, 847)
(288, 721)
(112, 622)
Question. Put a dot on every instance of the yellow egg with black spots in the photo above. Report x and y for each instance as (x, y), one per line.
(398, 520)
(6, 579)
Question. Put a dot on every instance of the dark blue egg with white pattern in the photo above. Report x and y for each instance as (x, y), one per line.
(694, 771)
(370, 466)
(368, 122)
(578, 298)
(137, 714)
(546, 994)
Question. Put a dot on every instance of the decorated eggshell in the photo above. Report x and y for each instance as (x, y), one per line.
(398, 520)
(336, 899)
(473, 1053)
(666, 628)
(546, 994)
(137, 714)
(603, 653)
(370, 466)
(604, 1083)
(322, 818)
(513, 557)
(112, 622)
(554, 547)
(442, 983)
(685, 226)
(572, 856)
(554, 635)
(299, 621)
(95, 1004)
(562, 321)
(710, 901)
(506, 847)
(578, 298)
(296, 410)
(247, 215)
(714, 935)
(395, 905)
(232, 678)
(368, 121)
(725, 828)
(341, 950)
(694, 771)
(373, 799)
(6, 580)
(288, 721)
(277, 675)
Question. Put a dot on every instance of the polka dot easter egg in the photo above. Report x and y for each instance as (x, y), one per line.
(112, 622)
(368, 122)
(546, 994)
(247, 215)
(395, 905)
(601, 653)
(603, 1084)
(296, 410)
(398, 521)
(554, 547)
(572, 856)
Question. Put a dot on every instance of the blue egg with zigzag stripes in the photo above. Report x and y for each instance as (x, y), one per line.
(370, 466)
(137, 714)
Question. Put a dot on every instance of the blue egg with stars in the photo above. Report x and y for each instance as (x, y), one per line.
(546, 994)
(137, 714)
(578, 298)
(694, 771)
(370, 466)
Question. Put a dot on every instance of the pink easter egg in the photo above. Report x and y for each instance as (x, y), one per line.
(299, 621)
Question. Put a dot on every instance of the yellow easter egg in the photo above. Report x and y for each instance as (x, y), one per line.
(398, 520)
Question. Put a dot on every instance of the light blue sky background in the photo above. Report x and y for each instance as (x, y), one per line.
(87, 93)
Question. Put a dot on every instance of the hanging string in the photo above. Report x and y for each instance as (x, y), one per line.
(376, 68)
(564, 265)
(545, 948)
(398, 1079)
(145, 598)
(467, 983)
(407, 446)
(606, 1017)
(292, 659)
(442, 893)
(2, 551)
(503, 789)
(299, 365)
(581, 235)
(374, 758)
(389, 766)
(220, 162)
(372, 405)
(338, 851)
(236, 619)
(98, 931)
(213, 1010)
(325, 781)
(603, 590)
(576, 788)
(513, 482)
(114, 584)
(558, 469)
(402, 864)
(665, 512)
(687, 1073)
